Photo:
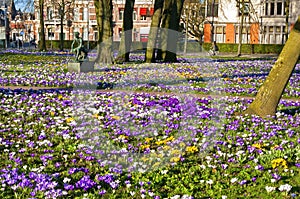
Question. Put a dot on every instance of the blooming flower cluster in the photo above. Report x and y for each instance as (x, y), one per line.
(144, 144)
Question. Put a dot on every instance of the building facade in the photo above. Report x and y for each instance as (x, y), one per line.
(82, 19)
(264, 21)
(142, 13)
(8, 13)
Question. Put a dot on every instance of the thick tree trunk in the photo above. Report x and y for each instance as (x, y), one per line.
(173, 33)
(104, 20)
(170, 26)
(155, 23)
(126, 39)
(269, 94)
(165, 23)
(42, 42)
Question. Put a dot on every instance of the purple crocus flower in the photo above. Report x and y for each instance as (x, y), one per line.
(243, 182)
(276, 176)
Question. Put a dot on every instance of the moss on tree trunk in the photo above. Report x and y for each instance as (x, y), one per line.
(268, 96)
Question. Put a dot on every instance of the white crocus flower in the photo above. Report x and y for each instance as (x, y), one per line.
(285, 187)
(209, 181)
(233, 180)
(66, 180)
(270, 189)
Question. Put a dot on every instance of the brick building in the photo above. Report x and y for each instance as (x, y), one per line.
(265, 20)
(82, 19)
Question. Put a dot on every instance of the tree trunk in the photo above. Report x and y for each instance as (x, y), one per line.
(173, 31)
(42, 42)
(99, 11)
(239, 53)
(155, 23)
(165, 23)
(61, 37)
(126, 39)
(269, 94)
(104, 20)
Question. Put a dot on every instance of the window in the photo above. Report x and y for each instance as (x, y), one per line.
(271, 29)
(274, 7)
(85, 34)
(49, 13)
(121, 14)
(75, 30)
(220, 34)
(96, 36)
(85, 14)
(279, 8)
(120, 33)
(278, 29)
(50, 34)
(212, 8)
(274, 34)
(134, 15)
(245, 34)
(76, 14)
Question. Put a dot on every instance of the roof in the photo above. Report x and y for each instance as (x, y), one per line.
(11, 7)
(7, 2)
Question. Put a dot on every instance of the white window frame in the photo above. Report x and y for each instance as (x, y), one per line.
(134, 15)
(76, 14)
(49, 13)
(267, 6)
(85, 15)
(121, 14)
(85, 34)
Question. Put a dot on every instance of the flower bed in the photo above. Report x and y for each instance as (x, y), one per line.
(86, 143)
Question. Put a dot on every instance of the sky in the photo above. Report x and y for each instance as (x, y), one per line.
(20, 4)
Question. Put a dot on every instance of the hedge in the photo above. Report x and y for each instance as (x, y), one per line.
(191, 47)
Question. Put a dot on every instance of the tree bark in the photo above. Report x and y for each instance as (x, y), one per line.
(42, 44)
(269, 94)
(155, 23)
(170, 25)
(164, 28)
(126, 38)
(104, 20)
(172, 39)
(62, 14)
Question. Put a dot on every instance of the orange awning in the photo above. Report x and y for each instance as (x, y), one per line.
(151, 11)
(143, 11)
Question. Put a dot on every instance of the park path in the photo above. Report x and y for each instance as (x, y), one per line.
(150, 92)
